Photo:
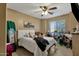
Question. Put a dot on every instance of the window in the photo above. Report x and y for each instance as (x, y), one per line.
(58, 26)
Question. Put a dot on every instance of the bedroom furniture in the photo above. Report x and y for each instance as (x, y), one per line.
(75, 44)
(66, 40)
(69, 40)
(30, 44)
(25, 32)
(75, 41)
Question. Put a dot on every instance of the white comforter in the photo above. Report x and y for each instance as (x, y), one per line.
(30, 45)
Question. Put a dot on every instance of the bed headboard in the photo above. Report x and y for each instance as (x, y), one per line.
(21, 33)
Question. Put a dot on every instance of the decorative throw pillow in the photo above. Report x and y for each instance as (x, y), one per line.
(26, 35)
(31, 34)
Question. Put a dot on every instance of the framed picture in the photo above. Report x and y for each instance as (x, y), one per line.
(28, 25)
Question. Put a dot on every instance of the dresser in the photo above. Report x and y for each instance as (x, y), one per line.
(75, 44)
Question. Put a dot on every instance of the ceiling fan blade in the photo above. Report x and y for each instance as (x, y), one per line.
(41, 6)
(36, 11)
(52, 8)
(50, 13)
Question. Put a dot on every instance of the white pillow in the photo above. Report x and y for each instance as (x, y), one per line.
(26, 35)
(31, 34)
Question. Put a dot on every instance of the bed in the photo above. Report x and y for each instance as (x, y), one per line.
(30, 44)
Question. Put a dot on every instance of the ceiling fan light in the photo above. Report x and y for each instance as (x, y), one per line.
(42, 8)
(43, 13)
(46, 12)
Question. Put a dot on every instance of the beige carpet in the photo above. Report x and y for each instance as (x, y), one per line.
(22, 52)
(61, 51)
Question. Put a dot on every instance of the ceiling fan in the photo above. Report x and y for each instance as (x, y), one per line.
(46, 10)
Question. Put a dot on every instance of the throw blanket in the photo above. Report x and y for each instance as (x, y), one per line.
(41, 42)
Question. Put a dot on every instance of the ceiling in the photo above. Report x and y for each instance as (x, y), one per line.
(33, 9)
